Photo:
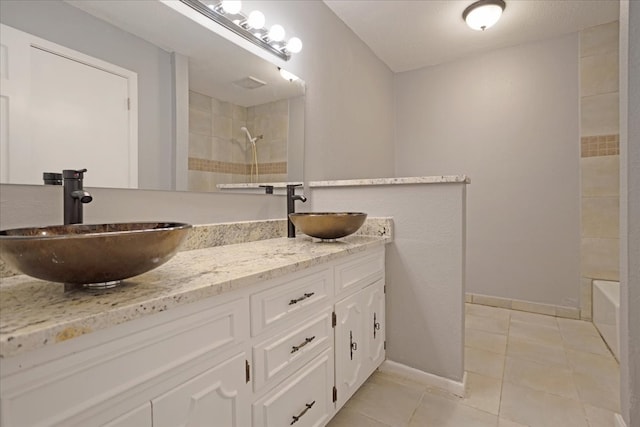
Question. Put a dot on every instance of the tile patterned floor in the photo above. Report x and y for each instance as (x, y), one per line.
(523, 369)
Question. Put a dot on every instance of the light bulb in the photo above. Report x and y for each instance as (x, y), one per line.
(256, 19)
(483, 16)
(294, 45)
(287, 75)
(276, 33)
(231, 6)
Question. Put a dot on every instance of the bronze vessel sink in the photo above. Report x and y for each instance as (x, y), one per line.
(328, 225)
(91, 253)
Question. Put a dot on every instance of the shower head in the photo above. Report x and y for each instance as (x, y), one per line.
(252, 140)
(245, 130)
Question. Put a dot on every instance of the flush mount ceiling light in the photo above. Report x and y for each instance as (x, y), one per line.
(483, 14)
(228, 13)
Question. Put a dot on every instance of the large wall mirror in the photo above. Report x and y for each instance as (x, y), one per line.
(205, 112)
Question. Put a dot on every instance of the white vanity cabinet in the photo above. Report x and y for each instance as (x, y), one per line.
(286, 351)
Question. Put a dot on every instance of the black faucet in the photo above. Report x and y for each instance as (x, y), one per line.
(74, 195)
(291, 208)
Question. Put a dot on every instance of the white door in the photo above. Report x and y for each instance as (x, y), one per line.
(219, 397)
(349, 339)
(64, 110)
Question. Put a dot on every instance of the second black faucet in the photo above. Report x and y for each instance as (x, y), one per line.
(291, 208)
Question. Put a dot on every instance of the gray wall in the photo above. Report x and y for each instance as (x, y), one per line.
(349, 97)
(424, 268)
(630, 211)
(69, 26)
(508, 119)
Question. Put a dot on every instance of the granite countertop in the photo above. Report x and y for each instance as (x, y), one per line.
(259, 185)
(437, 179)
(35, 313)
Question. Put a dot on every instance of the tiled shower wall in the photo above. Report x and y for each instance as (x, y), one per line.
(272, 122)
(220, 153)
(600, 160)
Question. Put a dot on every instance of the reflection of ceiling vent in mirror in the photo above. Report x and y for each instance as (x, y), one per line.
(249, 83)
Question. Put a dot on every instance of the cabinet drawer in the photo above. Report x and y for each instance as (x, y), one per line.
(282, 302)
(304, 400)
(359, 271)
(279, 356)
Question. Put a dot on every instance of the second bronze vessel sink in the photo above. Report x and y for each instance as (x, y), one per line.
(328, 225)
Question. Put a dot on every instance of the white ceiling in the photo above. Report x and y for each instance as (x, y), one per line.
(411, 34)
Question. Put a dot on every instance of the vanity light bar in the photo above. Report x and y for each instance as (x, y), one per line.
(239, 24)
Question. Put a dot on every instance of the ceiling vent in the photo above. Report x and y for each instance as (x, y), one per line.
(249, 83)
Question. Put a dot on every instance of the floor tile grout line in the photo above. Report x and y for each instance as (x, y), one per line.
(417, 406)
(376, 420)
(488, 351)
(573, 379)
(504, 368)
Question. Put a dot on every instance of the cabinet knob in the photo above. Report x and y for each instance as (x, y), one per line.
(353, 346)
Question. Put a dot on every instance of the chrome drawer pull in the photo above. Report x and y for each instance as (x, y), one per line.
(302, 298)
(299, 346)
(304, 411)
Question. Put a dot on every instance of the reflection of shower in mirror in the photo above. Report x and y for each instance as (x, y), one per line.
(254, 153)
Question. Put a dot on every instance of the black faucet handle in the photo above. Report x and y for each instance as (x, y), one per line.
(293, 185)
(52, 178)
(268, 189)
(73, 173)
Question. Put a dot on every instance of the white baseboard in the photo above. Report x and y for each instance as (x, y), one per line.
(531, 307)
(446, 384)
(619, 421)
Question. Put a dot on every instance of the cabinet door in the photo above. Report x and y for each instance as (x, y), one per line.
(138, 417)
(349, 337)
(219, 397)
(375, 325)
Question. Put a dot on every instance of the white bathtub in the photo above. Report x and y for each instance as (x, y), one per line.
(606, 312)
